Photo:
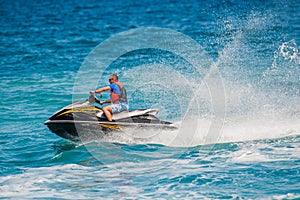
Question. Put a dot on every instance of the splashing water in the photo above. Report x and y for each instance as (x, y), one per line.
(288, 50)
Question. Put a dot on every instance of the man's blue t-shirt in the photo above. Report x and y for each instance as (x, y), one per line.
(115, 88)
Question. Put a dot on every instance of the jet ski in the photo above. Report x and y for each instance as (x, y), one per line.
(83, 119)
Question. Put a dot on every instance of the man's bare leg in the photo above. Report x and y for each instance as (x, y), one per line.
(108, 112)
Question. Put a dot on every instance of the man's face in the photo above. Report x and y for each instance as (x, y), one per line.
(112, 79)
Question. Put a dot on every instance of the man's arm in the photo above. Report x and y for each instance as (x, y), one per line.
(104, 102)
(102, 89)
(99, 91)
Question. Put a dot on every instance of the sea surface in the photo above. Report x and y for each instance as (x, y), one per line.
(238, 107)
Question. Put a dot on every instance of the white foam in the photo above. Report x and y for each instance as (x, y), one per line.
(34, 183)
(196, 132)
(61, 182)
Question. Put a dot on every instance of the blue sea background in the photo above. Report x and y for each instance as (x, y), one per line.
(256, 46)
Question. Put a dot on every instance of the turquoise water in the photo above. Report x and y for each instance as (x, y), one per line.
(255, 155)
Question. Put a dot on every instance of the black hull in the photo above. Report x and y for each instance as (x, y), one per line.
(80, 122)
(84, 131)
(67, 131)
(81, 131)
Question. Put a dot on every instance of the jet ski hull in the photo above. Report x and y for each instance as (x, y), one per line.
(79, 121)
(64, 130)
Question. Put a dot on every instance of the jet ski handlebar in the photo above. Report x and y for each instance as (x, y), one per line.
(92, 99)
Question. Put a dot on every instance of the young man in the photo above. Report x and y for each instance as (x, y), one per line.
(118, 97)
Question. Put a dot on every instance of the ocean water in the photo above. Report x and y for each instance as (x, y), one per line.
(236, 98)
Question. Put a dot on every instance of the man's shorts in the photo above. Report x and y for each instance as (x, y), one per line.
(116, 108)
